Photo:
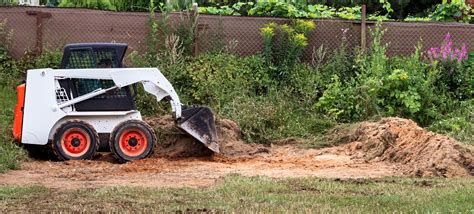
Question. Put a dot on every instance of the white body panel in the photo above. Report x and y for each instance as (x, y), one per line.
(43, 113)
(103, 122)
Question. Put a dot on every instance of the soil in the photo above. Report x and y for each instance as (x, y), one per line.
(390, 147)
(419, 152)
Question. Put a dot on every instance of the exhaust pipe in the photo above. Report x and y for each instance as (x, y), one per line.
(199, 123)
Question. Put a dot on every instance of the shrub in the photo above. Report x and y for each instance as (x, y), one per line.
(357, 99)
(457, 11)
(458, 123)
(8, 66)
(217, 78)
(340, 63)
(455, 71)
(99, 4)
(284, 44)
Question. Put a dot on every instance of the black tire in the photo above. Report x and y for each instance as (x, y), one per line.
(75, 140)
(132, 140)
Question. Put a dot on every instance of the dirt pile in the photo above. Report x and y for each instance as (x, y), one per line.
(391, 140)
(174, 143)
(420, 153)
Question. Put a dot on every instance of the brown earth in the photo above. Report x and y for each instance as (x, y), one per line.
(390, 147)
(420, 153)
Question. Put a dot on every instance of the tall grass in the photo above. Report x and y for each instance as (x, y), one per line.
(10, 154)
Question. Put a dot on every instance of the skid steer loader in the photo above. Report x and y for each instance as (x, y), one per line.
(91, 99)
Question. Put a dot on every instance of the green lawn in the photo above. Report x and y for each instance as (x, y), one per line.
(258, 194)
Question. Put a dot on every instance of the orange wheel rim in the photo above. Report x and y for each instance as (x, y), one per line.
(75, 142)
(133, 142)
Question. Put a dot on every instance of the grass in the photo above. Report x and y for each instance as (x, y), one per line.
(10, 154)
(258, 194)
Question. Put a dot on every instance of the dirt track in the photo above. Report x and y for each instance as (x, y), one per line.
(390, 147)
(191, 172)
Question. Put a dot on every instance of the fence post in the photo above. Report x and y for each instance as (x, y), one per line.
(39, 29)
(196, 29)
(363, 28)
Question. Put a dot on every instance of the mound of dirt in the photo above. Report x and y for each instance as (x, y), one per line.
(420, 153)
(174, 143)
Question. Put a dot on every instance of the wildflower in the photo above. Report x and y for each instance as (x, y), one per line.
(403, 76)
(271, 25)
(287, 29)
(267, 31)
(303, 26)
(447, 52)
(300, 40)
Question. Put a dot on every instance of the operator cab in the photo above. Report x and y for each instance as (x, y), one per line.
(96, 55)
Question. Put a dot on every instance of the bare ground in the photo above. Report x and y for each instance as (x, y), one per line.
(390, 147)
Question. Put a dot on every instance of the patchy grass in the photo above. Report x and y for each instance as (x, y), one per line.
(258, 194)
(10, 154)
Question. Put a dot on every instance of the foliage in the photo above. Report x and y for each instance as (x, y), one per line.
(272, 96)
(277, 8)
(95, 4)
(171, 37)
(455, 72)
(284, 44)
(402, 86)
(417, 19)
(237, 9)
(8, 2)
(447, 52)
(121, 5)
(10, 154)
(218, 78)
(458, 123)
(455, 11)
(9, 71)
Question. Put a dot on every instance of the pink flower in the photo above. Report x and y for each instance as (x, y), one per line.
(447, 52)
(447, 37)
(464, 52)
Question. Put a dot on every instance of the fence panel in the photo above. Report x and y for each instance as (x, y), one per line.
(85, 25)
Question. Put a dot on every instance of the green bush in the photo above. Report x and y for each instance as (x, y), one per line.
(98, 4)
(218, 78)
(458, 123)
(407, 87)
(455, 11)
(284, 45)
(277, 8)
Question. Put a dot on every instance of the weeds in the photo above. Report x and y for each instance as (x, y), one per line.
(10, 154)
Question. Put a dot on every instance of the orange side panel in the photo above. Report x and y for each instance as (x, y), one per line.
(18, 117)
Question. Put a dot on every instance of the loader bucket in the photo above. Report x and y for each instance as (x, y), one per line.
(199, 123)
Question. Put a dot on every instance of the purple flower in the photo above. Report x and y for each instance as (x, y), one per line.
(447, 52)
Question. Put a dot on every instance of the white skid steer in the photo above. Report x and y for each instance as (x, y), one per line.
(72, 109)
